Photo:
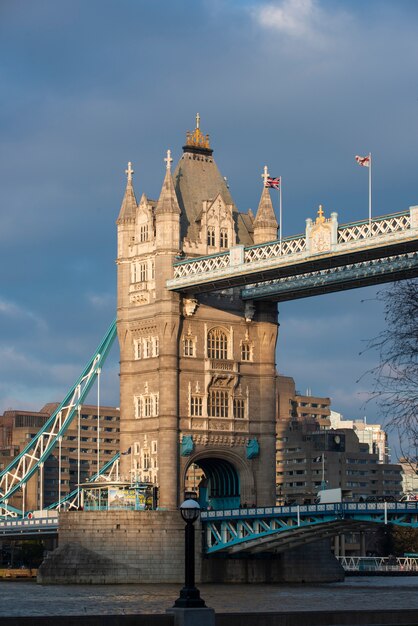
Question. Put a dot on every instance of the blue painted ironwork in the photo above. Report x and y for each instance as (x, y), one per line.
(389, 237)
(349, 276)
(222, 483)
(72, 498)
(24, 465)
(245, 529)
(29, 527)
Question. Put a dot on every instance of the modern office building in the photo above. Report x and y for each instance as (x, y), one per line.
(79, 457)
(372, 434)
(311, 455)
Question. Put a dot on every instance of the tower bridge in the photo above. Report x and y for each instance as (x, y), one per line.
(198, 283)
(328, 257)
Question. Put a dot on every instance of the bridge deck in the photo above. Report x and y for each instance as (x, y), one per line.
(392, 237)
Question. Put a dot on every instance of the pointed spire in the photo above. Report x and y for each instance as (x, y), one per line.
(129, 204)
(167, 202)
(265, 223)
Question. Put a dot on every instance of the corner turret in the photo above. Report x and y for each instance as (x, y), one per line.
(265, 223)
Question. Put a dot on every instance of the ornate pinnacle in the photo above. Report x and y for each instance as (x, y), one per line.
(129, 172)
(265, 175)
(168, 160)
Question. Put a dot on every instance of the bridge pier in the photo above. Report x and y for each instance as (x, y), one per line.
(108, 547)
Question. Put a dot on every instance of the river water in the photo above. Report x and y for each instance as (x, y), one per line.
(19, 598)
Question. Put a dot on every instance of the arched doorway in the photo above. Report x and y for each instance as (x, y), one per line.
(219, 483)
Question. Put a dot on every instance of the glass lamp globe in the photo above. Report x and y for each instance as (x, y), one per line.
(190, 510)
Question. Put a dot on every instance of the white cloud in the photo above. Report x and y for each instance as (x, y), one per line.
(103, 300)
(293, 17)
(302, 20)
(12, 310)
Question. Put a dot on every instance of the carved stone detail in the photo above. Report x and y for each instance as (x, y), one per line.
(189, 306)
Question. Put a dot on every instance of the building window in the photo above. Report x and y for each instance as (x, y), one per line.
(147, 405)
(224, 238)
(239, 408)
(217, 344)
(218, 403)
(146, 347)
(189, 346)
(196, 406)
(137, 349)
(146, 459)
(143, 233)
(142, 272)
(211, 236)
(136, 447)
(154, 447)
(245, 351)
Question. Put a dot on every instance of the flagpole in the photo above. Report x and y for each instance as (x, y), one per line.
(280, 212)
(370, 192)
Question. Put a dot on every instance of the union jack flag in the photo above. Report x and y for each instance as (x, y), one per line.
(273, 182)
(364, 161)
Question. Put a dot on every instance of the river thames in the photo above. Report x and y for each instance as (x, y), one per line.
(24, 598)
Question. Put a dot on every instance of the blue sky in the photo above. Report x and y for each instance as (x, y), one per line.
(299, 85)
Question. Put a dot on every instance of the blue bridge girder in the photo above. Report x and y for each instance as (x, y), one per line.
(347, 256)
(28, 528)
(350, 276)
(280, 528)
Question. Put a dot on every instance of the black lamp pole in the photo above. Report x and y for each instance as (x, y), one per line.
(190, 594)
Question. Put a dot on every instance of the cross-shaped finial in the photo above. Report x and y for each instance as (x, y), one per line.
(129, 172)
(320, 217)
(265, 175)
(168, 160)
(197, 120)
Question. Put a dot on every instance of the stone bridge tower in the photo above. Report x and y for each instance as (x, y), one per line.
(197, 374)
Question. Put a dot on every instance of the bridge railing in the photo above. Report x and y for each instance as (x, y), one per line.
(29, 526)
(297, 246)
(378, 564)
(337, 508)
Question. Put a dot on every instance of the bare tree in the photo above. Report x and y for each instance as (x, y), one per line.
(396, 376)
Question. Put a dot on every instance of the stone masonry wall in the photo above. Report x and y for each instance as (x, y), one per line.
(108, 547)
(142, 546)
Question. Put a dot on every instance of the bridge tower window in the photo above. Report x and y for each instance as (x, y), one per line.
(224, 238)
(218, 403)
(239, 408)
(217, 344)
(211, 236)
(196, 406)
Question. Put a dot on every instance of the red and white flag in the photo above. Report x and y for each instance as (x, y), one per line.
(273, 182)
(364, 161)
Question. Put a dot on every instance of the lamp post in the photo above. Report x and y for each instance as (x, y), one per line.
(189, 595)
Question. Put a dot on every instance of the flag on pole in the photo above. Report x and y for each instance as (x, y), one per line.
(273, 182)
(364, 161)
(128, 451)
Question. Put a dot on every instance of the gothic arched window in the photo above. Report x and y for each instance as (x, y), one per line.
(211, 236)
(239, 408)
(246, 351)
(218, 403)
(224, 238)
(217, 344)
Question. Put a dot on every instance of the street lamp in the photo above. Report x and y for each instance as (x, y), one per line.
(189, 595)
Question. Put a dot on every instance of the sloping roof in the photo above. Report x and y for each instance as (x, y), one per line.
(197, 178)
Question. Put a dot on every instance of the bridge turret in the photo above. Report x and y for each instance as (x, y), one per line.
(265, 224)
(127, 213)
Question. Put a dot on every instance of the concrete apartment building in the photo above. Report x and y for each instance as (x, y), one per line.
(372, 434)
(17, 427)
(310, 454)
